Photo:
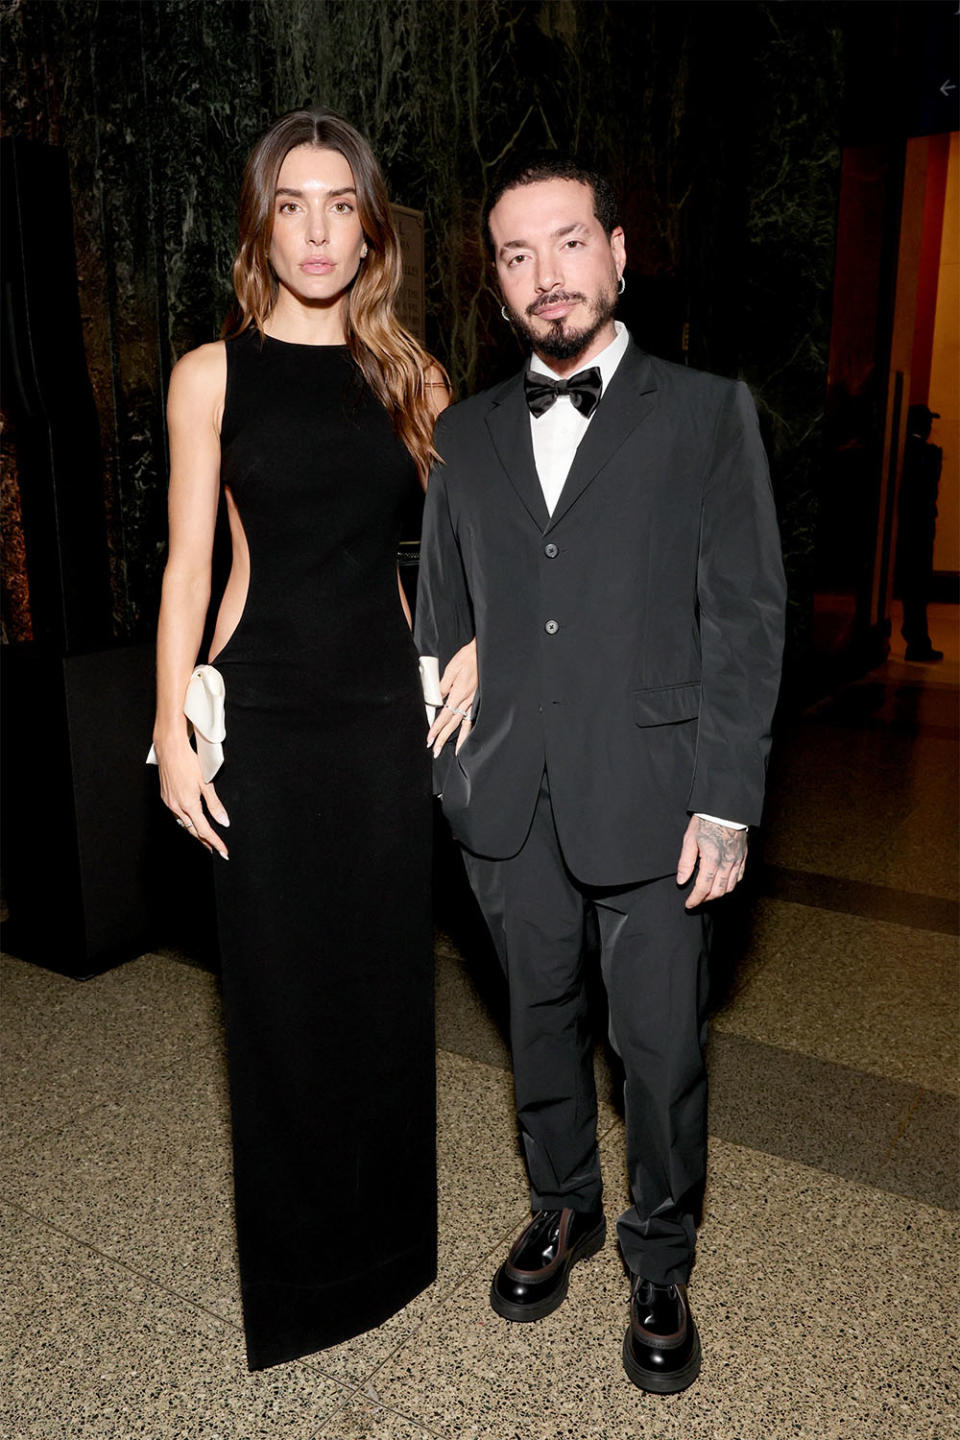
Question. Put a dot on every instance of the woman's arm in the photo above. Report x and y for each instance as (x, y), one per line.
(438, 398)
(194, 412)
(458, 683)
(404, 602)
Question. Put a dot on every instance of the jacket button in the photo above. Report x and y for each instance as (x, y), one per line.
(551, 550)
(551, 627)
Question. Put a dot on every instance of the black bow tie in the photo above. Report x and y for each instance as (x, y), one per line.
(584, 390)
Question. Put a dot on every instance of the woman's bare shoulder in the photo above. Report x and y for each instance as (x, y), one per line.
(198, 383)
(437, 387)
(207, 365)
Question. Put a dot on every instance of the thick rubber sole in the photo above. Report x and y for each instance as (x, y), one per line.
(538, 1309)
(656, 1382)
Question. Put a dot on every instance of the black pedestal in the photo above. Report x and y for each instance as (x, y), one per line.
(95, 870)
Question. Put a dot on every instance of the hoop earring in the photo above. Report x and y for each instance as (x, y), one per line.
(503, 312)
(622, 286)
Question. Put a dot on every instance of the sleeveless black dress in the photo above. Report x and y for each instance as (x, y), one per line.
(324, 906)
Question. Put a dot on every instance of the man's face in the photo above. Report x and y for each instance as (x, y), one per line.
(558, 269)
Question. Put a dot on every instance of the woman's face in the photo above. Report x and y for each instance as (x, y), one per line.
(317, 237)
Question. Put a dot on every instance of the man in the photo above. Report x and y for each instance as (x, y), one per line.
(917, 531)
(603, 522)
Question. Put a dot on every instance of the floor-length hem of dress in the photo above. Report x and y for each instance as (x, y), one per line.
(302, 1321)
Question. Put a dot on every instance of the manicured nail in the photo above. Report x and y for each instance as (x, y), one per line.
(224, 820)
(223, 855)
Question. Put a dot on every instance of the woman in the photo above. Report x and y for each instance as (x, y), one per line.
(314, 418)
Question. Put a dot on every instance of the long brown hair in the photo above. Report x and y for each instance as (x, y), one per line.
(394, 365)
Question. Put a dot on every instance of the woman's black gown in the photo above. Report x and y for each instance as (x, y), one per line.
(324, 906)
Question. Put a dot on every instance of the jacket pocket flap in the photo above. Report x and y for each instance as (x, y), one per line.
(666, 705)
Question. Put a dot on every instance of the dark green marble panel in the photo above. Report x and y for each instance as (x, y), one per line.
(717, 123)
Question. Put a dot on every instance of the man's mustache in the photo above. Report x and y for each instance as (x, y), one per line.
(556, 297)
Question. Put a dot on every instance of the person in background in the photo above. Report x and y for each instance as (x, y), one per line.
(916, 531)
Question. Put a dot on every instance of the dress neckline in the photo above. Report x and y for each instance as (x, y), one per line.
(302, 345)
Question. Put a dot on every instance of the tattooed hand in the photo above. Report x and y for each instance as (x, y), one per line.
(722, 854)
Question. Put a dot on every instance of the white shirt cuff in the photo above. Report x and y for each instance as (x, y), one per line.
(730, 824)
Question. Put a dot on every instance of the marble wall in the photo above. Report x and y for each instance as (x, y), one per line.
(718, 124)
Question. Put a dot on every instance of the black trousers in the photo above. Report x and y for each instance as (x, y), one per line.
(654, 964)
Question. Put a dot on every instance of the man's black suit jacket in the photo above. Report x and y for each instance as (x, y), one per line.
(631, 642)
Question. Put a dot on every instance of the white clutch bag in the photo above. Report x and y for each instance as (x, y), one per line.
(203, 706)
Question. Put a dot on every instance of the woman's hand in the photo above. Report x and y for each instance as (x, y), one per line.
(184, 793)
(458, 686)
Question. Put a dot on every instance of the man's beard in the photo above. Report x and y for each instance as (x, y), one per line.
(560, 344)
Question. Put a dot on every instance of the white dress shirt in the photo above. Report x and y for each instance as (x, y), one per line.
(558, 432)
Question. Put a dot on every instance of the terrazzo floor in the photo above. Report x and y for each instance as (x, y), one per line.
(826, 1282)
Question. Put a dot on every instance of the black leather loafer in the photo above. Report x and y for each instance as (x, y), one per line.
(661, 1349)
(533, 1280)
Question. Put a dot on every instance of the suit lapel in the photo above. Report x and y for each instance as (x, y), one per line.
(509, 425)
(626, 403)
